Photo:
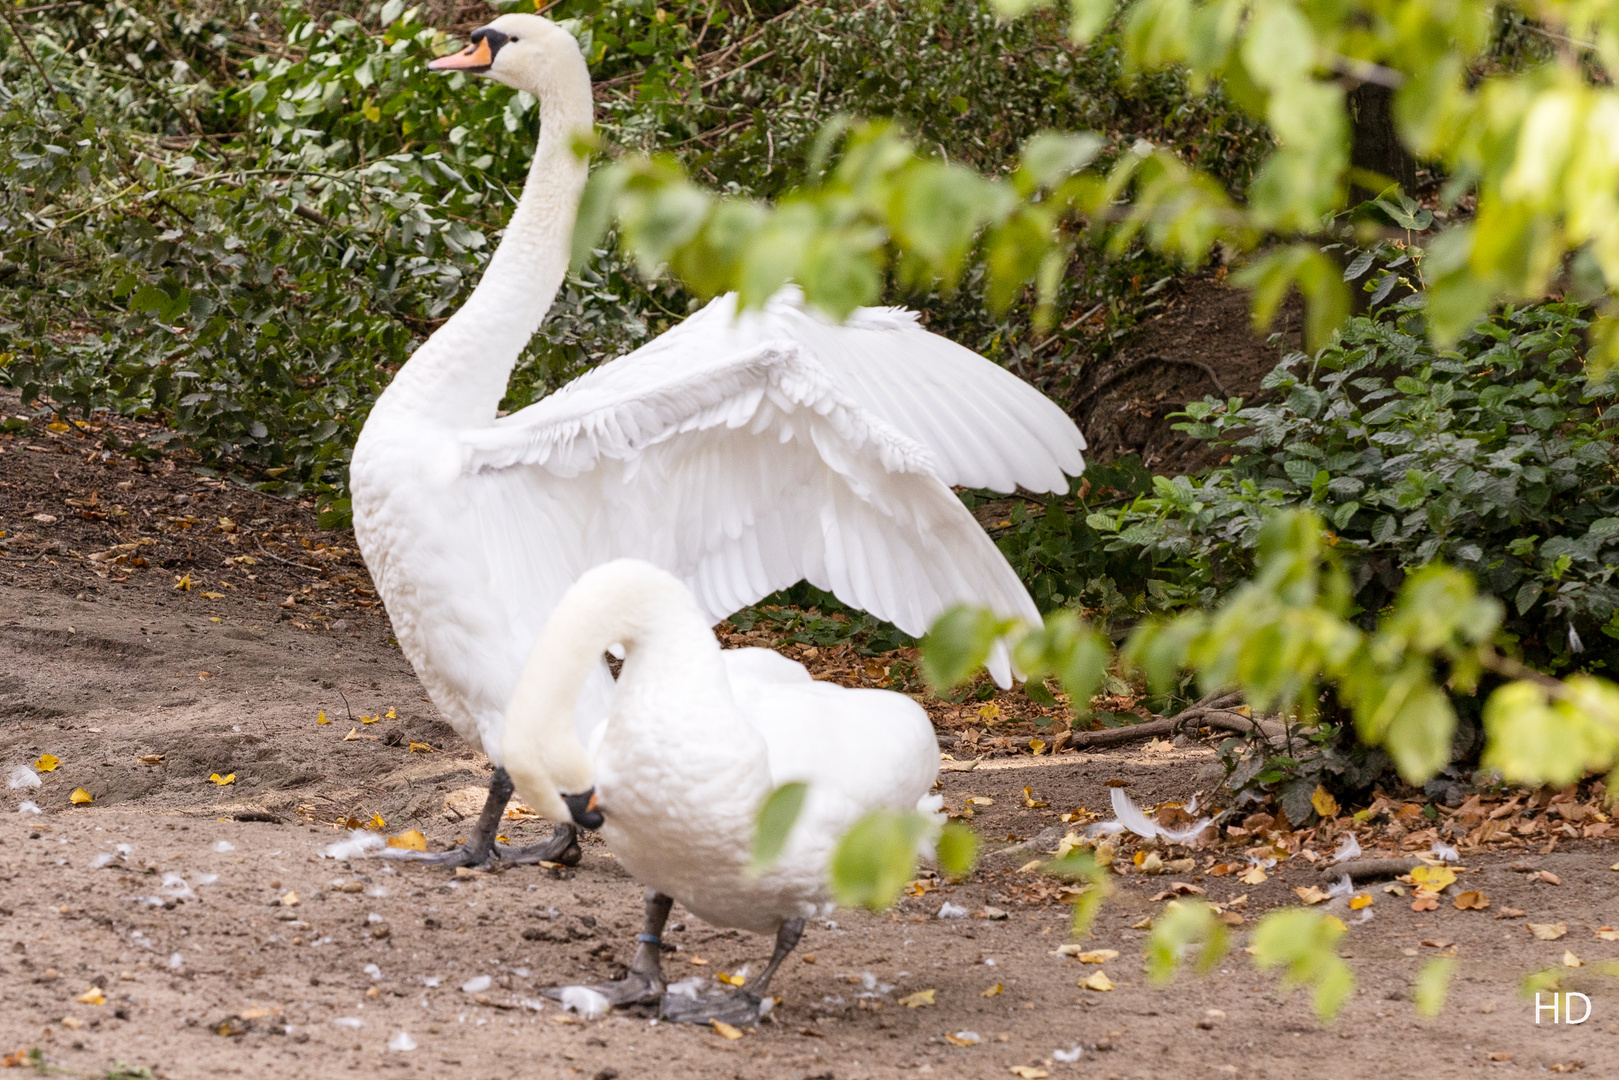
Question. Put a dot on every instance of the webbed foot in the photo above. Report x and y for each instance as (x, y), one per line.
(739, 1008)
(634, 989)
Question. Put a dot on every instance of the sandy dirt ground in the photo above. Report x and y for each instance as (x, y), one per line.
(197, 929)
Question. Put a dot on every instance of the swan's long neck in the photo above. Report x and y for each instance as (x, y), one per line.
(459, 375)
(655, 618)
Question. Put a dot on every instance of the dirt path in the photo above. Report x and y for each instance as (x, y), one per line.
(167, 890)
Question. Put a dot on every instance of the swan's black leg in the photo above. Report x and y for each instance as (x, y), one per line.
(480, 848)
(745, 1006)
(644, 983)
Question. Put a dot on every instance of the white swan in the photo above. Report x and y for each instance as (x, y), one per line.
(694, 741)
(742, 454)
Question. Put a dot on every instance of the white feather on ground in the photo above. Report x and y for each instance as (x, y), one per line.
(1130, 817)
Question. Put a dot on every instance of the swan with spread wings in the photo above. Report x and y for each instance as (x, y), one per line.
(742, 451)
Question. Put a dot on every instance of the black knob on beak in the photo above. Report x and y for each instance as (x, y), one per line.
(583, 809)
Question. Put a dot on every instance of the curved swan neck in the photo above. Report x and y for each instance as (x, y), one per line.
(629, 602)
(459, 375)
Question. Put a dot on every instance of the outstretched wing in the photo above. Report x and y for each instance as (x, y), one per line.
(985, 427)
(740, 471)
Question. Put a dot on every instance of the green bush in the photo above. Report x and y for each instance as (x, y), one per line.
(1493, 456)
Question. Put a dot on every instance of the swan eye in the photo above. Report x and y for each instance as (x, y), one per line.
(512, 39)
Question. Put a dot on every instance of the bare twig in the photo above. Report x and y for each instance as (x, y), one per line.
(27, 49)
(1214, 711)
(1359, 869)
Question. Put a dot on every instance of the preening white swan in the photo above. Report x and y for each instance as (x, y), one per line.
(741, 454)
(694, 741)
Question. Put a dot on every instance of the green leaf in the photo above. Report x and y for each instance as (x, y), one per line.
(874, 859)
(1081, 865)
(1182, 925)
(1433, 985)
(1087, 18)
(958, 643)
(774, 822)
(1304, 943)
(1050, 156)
(957, 849)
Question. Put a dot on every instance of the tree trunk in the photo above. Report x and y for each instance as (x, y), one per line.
(1376, 148)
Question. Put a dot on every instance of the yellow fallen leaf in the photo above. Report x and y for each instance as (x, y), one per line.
(256, 1013)
(980, 800)
(1255, 876)
(989, 713)
(1142, 924)
(957, 1040)
(1607, 933)
(1029, 1072)
(320, 718)
(290, 899)
(92, 996)
(183, 583)
(1030, 801)
(369, 719)
(377, 822)
(1035, 747)
(918, 999)
(419, 748)
(1358, 903)
(1335, 922)
(228, 778)
(992, 991)
(1031, 865)
(151, 759)
(1310, 894)
(72, 1022)
(1471, 901)
(729, 979)
(1324, 803)
(1433, 878)
(391, 715)
(353, 735)
(698, 960)
(47, 763)
(1547, 931)
(1089, 956)
(80, 797)
(57, 426)
(1570, 960)
(1097, 981)
(409, 840)
(726, 1031)
(213, 596)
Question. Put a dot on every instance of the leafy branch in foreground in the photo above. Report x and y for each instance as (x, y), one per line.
(1286, 637)
(1529, 145)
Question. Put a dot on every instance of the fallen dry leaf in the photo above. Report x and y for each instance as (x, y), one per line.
(728, 979)
(980, 800)
(390, 715)
(1437, 943)
(1310, 894)
(1498, 1055)
(1097, 981)
(1547, 876)
(92, 996)
(409, 840)
(1360, 902)
(320, 718)
(420, 748)
(1471, 901)
(698, 960)
(1029, 1072)
(992, 991)
(1570, 960)
(918, 999)
(1425, 901)
(989, 713)
(726, 1031)
(72, 1022)
(80, 797)
(1324, 803)
(1097, 956)
(151, 759)
(1547, 931)
(213, 596)
(376, 822)
(971, 1039)
(1255, 876)
(1035, 747)
(47, 763)
(290, 899)
(228, 778)
(1607, 933)
(1029, 801)
(184, 583)
(1433, 878)
(369, 719)
(1510, 913)
(353, 735)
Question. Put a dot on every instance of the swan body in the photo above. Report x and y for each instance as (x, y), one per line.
(742, 453)
(695, 739)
